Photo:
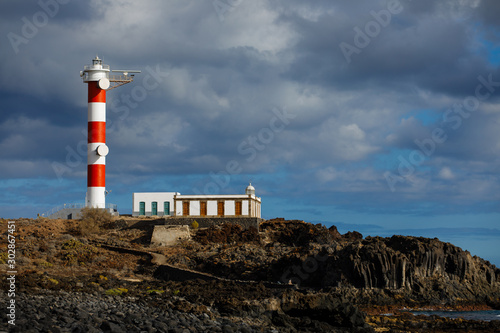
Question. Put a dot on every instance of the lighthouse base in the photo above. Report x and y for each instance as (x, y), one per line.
(72, 211)
(96, 197)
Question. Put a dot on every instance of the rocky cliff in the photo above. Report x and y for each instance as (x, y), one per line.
(419, 269)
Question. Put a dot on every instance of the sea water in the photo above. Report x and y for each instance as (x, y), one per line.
(469, 315)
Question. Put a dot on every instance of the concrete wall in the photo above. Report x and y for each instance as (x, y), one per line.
(74, 213)
(211, 207)
(165, 235)
(229, 208)
(148, 198)
(194, 208)
(67, 213)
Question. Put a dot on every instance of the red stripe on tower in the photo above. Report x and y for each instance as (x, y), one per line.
(97, 175)
(96, 94)
(97, 131)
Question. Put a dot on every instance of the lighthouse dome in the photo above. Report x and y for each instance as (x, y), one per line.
(250, 189)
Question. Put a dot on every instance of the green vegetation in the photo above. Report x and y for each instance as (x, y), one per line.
(53, 281)
(155, 291)
(3, 257)
(195, 225)
(116, 291)
(74, 252)
(43, 263)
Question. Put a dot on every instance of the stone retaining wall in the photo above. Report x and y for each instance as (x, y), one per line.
(205, 222)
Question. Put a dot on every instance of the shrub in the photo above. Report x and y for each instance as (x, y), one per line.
(93, 219)
(195, 225)
(116, 291)
(43, 263)
(52, 281)
(155, 291)
(74, 252)
(3, 257)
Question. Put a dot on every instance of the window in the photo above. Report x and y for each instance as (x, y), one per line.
(142, 208)
(166, 208)
(220, 208)
(154, 208)
(203, 208)
(237, 208)
(185, 208)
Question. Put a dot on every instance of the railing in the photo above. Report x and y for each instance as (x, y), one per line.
(87, 67)
(120, 78)
(114, 207)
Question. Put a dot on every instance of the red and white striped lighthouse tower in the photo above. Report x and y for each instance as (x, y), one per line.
(98, 79)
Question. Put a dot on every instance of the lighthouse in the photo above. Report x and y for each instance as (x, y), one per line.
(98, 78)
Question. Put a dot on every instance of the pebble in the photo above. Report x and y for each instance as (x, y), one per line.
(80, 312)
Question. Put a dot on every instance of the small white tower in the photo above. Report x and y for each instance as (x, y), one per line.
(250, 190)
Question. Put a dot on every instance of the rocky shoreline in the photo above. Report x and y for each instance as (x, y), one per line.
(289, 276)
(81, 312)
(113, 305)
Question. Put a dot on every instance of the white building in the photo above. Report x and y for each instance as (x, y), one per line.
(175, 204)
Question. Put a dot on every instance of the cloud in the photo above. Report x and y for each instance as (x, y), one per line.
(223, 79)
(446, 173)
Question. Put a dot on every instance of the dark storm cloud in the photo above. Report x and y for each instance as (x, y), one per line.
(62, 11)
(433, 53)
(220, 80)
(488, 12)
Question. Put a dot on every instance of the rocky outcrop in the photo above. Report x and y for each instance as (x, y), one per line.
(415, 264)
(298, 233)
(420, 269)
(406, 322)
(324, 308)
(227, 233)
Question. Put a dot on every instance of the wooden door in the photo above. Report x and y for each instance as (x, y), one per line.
(220, 208)
(237, 208)
(203, 208)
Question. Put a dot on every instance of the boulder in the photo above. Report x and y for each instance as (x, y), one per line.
(165, 235)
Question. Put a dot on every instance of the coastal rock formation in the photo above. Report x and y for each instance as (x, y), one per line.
(420, 269)
(289, 276)
(407, 262)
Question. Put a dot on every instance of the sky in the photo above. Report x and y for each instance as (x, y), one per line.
(376, 116)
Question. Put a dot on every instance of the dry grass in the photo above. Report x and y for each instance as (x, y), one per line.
(93, 220)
